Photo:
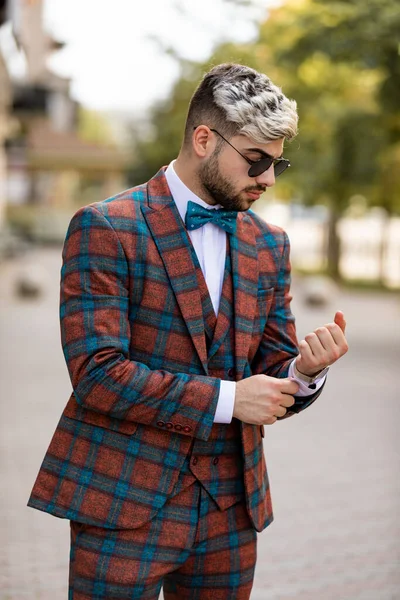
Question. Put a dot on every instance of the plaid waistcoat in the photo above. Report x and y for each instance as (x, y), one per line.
(217, 463)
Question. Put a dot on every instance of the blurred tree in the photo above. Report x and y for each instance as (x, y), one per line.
(94, 127)
(340, 60)
(159, 142)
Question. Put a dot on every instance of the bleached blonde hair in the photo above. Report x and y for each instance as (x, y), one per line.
(236, 99)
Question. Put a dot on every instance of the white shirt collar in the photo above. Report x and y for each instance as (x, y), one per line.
(181, 193)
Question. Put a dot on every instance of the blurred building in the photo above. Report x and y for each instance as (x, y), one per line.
(44, 162)
(5, 102)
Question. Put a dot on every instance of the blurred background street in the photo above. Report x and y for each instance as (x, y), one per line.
(334, 469)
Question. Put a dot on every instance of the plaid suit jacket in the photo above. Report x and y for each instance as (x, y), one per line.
(133, 338)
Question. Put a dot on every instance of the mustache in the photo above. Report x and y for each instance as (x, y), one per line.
(255, 188)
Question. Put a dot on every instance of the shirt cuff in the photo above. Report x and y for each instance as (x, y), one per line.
(304, 388)
(226, 402)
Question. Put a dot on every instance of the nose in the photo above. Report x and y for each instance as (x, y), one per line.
(267, 178)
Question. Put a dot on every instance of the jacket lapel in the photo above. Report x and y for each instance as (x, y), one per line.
(245, 284)
(175, 248)
(177, 253)
(207, 306)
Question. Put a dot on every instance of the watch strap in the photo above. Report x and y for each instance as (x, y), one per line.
(310, 379)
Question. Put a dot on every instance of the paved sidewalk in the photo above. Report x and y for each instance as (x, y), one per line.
(334, 470)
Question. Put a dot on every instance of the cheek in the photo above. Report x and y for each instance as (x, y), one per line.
(235, 174)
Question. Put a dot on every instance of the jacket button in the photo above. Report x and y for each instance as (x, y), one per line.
(178, 427)
(195, 460)
(169, 425)
(187, 429)
(160, 423)
(215, 461)
(231, 372)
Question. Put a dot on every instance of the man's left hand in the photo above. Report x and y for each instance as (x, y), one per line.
(322, 347)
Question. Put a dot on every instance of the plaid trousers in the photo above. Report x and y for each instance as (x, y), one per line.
(190, 548)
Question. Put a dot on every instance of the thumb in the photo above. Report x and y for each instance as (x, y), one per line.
(340, 320)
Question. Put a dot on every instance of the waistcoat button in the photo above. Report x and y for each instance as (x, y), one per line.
(195, 460)
(215, 461)
(231, 372)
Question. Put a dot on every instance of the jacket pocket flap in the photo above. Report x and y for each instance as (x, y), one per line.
(74, 411)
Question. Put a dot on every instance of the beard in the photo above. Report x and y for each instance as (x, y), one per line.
(221, 190)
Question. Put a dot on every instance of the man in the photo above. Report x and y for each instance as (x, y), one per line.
(180, 344)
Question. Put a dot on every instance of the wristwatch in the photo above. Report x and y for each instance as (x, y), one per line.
(310, 380)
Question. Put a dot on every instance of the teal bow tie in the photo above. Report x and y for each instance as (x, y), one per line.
(197, 216)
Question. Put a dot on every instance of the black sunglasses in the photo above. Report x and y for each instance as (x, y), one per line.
(263, 164)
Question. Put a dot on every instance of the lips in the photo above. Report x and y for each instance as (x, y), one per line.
(254, 195)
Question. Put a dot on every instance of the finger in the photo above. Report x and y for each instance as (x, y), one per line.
(270, 421)
(340, 320)
(280, 411)
(337, 335)
(333, 349)
(305, 354)
(326, 338)
(286, 400)
(315, 345)
(288, 386)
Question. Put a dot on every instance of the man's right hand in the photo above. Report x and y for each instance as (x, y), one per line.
(260, 399)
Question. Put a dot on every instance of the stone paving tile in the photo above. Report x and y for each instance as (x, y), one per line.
(333, 470)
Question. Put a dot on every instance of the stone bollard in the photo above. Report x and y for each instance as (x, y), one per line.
(318, 290)
(31, 281)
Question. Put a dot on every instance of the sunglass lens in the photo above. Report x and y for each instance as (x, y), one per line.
(260, 166)
(281, 166)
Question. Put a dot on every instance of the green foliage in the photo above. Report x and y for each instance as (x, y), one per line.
(340, 60)
(162, 143)
(93, 127)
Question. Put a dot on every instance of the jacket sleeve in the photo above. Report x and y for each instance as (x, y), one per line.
(95, 335)
(279, 345)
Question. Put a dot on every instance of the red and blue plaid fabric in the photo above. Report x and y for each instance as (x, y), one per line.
(133, 337)
(190, 548)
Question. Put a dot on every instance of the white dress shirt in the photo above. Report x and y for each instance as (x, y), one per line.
(209, 243)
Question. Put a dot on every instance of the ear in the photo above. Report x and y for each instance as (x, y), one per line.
(203, 141)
